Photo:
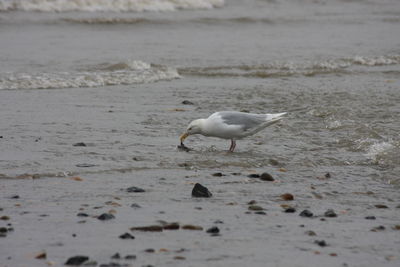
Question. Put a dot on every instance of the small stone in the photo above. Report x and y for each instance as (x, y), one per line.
(287, 196)
(255, 208)
(370, 218)
(85, 165)
(253, 175)
(396, 227)
(252, 202)
(130, 257)
(79, 144)
(150, 250)
(106, 216)
(150, 228)
(378, 228)
(306, 213)
(3, 230)
(381, 206)
(171, 226)
(41, 255)
(321, 243)
(213, 230)
(4, 218)
(126, 236)
(15, 197)
(76, 260)
(218, 222)
(274, 162)
(218, 174)
(327, 175)
(135, 206)
(310, 233)
(260, 213)
(134, 189)
(116, 256)
(187, 102)
(81, 214)
(290, 210)
(179, 258)
(192, 227)
(266, 177)
(330, 213)
(200, 191)
(333, 254)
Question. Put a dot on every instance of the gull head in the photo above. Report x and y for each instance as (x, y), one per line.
(195, 127)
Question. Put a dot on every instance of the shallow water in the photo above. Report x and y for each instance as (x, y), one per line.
(116, 81)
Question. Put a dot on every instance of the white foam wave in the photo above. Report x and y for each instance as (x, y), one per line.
(133, 72)
(107, 5)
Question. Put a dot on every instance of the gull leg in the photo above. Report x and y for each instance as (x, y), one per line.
(233, 145)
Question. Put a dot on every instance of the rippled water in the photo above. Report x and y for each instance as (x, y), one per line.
(121, 77)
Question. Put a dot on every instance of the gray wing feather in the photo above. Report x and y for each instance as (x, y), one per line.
(245, 120)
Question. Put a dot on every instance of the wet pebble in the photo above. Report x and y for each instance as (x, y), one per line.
(41, 255)
(135, 206)
(3, 230)
(330, 213)
(150, 228)
(321, 243)
(106, 216)
(260, 213)
(15, 197)
(4, 218)
(79, 144)
(150, 250)
(200, 191)
(213, 230)
(378, 228)
(218, 174)
(306, 213)
(370, 218)
(253, 175)
(81, 214)
(116, 256)
(126, 236)
(76, 260)
(266, 177)
(252, 202)
(187, 102)
(134, 189)
(130, 257)
(290, 210)
(381, 206)
(287, 196)
(255, 208)
(310, 233)
(192, 227)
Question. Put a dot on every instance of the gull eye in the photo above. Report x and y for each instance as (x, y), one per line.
(190, 128)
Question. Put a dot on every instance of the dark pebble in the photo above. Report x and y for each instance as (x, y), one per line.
(3, 235)
(266, 177)
(79, 144)
(14, 197)
(310, 233)
(306, 213)
(187, 102)
(136, 206)
(253, 175)
(213, 230)
(192, 227)
(321, 243)
(260, 213)
(370, 218)
(116, 256)
(218, 174)
(85, 165)
(150, 250)
(76, 260)
(290, 210)
(171, 226)
(327, 175)
(4, 218)
(252, 202)
(81, 214)
(378, 228)
(255, 208)
(3, 230)
(381, 206)
(150, 228)
(106, 216)
(330, 213)
(126, 236)
(134, 189)
(130, 257)
(287, 196)
(200, 191)
(218, 222)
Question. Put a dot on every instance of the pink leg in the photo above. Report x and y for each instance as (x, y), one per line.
(233, 145)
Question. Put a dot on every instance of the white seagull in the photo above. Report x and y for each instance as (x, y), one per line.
(231, 125)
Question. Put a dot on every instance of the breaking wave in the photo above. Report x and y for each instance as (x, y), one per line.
(285, 69)
(132, 72)
(107, 5)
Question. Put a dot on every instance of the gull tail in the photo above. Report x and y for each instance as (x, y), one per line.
(274, 118)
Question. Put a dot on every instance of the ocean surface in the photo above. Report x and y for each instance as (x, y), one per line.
(94, 95)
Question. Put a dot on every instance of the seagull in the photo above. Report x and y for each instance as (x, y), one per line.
(231, 125)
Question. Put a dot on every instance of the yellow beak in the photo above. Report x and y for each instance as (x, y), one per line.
(183, 136)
